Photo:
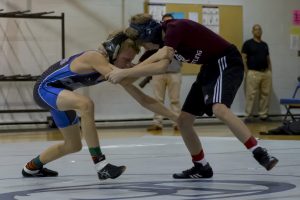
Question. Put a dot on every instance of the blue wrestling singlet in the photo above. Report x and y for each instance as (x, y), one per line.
(59, 77)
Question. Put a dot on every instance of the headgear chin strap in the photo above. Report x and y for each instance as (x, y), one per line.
(149, 32)
(112, 46)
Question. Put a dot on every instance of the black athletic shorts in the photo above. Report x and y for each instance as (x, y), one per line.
(217, 82)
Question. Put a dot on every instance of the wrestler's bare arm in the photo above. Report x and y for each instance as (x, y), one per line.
(149, 102)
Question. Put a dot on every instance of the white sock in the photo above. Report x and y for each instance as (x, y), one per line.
(202, 161)
(253, 148)
(28, 171)
(100, 165)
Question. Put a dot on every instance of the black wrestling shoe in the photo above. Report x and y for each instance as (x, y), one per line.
(262, 156)
(198, 171)
(110, 171)
(44, 172)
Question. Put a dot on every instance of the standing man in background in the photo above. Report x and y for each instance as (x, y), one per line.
(258, 74)
(170, 81)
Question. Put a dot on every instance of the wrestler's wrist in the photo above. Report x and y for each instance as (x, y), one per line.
(126, 72)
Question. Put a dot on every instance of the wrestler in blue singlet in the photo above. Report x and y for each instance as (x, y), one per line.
(59, 77)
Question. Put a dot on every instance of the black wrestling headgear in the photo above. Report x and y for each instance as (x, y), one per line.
(112, 46)
(151, 31)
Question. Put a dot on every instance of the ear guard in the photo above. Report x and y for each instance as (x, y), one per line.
(112, 46)
(149, 32)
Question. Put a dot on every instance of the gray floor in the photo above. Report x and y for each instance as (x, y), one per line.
(150, 162)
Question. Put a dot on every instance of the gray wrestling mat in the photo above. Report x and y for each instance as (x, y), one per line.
(150, 162)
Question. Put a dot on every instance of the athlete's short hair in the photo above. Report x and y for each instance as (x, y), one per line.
(137, 19)
(143, 28)
(167, 15)
(128, 43)
(116, 42)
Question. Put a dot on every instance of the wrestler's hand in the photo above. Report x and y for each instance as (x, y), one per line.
(165, 53)
(116, 75)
